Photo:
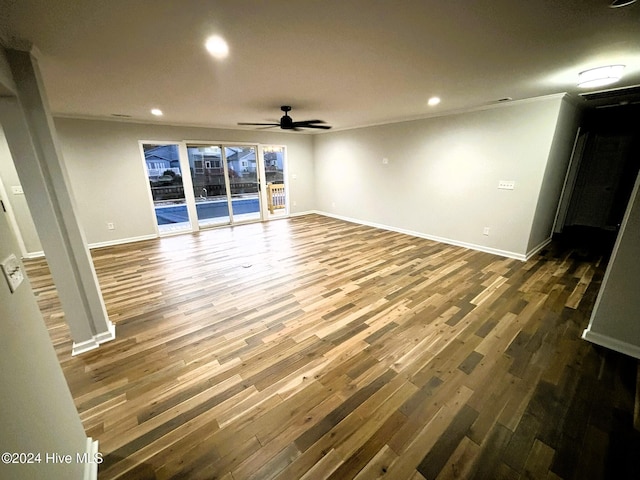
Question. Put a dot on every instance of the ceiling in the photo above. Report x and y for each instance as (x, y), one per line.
(349, 62)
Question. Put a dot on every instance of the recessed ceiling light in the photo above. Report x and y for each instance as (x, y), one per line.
(156, 111)
(217, 47)
(597, 77)
(433, 101)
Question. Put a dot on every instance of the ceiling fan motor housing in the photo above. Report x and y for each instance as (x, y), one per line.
(286, 122)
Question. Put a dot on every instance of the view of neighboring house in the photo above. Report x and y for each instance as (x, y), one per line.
(241, 160)
(159, 159)
(206, 162)
(274, 165)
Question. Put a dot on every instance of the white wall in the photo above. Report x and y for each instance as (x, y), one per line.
(442, 174)
(615, 319)
(37, 413)
(17, 202)
(554, 174)
(108, 179)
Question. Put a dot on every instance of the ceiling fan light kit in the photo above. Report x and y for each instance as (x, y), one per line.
(287, 123)
(597, 77)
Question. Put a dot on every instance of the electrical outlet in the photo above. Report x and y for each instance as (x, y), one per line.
(485, 231)
(110, 226)
(12, 272)
(385, 161)
(506, 184)
(17, 190)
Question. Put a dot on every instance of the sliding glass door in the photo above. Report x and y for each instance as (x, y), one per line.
(244, 187)
(164, 173)
(222, 186)
(225, 183)
(209, 184)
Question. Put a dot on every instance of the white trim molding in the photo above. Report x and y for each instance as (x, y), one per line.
(110, 243)
(472, 246)
(536, 250)
(302, 214)
(91, 454)
(611, 343)
(107, 336)
(83, 347)
(95, 341)
(122, 241)
(33, 255)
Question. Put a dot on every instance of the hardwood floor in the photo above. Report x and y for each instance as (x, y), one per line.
(314, 348)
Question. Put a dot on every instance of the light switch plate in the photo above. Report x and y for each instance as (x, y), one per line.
(12, 272)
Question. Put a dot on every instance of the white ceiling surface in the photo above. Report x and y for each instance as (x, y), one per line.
(349, 62)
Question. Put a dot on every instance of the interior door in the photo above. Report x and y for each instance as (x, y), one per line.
(603, 170)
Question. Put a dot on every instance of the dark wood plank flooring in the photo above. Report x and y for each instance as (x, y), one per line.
(319, 349)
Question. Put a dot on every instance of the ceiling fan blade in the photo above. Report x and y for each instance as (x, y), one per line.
(323, 127)
(263, 124)
(307, 122)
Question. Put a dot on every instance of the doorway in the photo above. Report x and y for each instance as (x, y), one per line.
(606, 169)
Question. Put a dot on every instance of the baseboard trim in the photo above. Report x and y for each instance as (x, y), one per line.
(33, 255)
(84, 347)
(611, 343)
(92, 458)
(537, 249)
(302, 214)
(95, 341)
(122, 241)
(110, 243)
(449, 241)
(107, 336)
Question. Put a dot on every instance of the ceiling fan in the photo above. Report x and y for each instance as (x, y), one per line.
(287, 123)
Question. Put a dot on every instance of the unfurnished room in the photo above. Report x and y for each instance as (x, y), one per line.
(354, 239)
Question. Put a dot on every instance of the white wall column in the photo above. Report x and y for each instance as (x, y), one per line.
(32, 140)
